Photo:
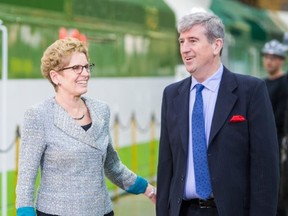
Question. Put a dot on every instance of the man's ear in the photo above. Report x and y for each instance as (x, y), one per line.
(217, 45)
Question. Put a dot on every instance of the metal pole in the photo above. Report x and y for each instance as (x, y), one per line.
(17, 142)
(134, 145)
(116, 143)
(3, 115)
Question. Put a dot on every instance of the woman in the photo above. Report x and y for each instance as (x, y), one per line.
(68, 137)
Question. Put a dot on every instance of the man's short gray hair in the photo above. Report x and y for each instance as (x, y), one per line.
(212, 23)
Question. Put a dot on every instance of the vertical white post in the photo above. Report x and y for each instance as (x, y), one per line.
(3, 116)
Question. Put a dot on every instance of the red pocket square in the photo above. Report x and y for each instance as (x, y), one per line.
(237, 118)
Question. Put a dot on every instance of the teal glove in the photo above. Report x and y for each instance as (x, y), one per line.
(26, 211)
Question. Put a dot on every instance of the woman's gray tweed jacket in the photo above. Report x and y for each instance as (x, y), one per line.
(73, 161)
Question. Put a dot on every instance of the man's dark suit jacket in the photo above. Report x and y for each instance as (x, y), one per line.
(242, 156)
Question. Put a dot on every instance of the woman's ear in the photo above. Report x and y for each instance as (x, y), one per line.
(54, 75)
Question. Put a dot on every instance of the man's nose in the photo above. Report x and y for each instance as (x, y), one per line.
(185, 47)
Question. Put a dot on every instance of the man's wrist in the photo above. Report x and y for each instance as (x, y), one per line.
(152, 193)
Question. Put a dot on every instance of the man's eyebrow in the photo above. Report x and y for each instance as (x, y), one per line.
(189, 38)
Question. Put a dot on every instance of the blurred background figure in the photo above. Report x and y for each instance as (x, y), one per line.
(273, 56)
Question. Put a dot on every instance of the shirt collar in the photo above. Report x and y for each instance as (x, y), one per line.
(212, 82)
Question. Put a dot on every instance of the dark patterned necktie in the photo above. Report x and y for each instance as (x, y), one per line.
(203, 184)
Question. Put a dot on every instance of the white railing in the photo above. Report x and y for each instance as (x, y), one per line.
(3, 115)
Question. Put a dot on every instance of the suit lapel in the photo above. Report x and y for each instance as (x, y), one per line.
(225, 102)
(181, 107)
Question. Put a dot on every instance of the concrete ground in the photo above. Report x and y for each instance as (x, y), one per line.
(133, 205)
(139, 205)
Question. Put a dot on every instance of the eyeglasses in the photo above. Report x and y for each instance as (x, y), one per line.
(79, 68)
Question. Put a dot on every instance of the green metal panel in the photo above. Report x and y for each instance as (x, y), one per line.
(247, 29)
(51, 5)
(239, 16)
(148, 14)
(119, 44)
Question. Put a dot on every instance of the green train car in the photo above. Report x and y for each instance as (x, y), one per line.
(133, 44)
(125, 37)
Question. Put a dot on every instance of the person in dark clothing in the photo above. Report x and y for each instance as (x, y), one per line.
(273, 60)
(273, 56)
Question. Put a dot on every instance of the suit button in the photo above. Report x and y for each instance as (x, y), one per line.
(182, 178)
(178, 200)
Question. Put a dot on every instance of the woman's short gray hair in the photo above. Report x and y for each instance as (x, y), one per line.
(212, 23)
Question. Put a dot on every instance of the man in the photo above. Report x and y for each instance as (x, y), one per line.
(238, 174)
(273, 56)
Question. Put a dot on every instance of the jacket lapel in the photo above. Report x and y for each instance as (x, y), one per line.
(98, 128)
(68, 125)
(225, 102)
(181, 107)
